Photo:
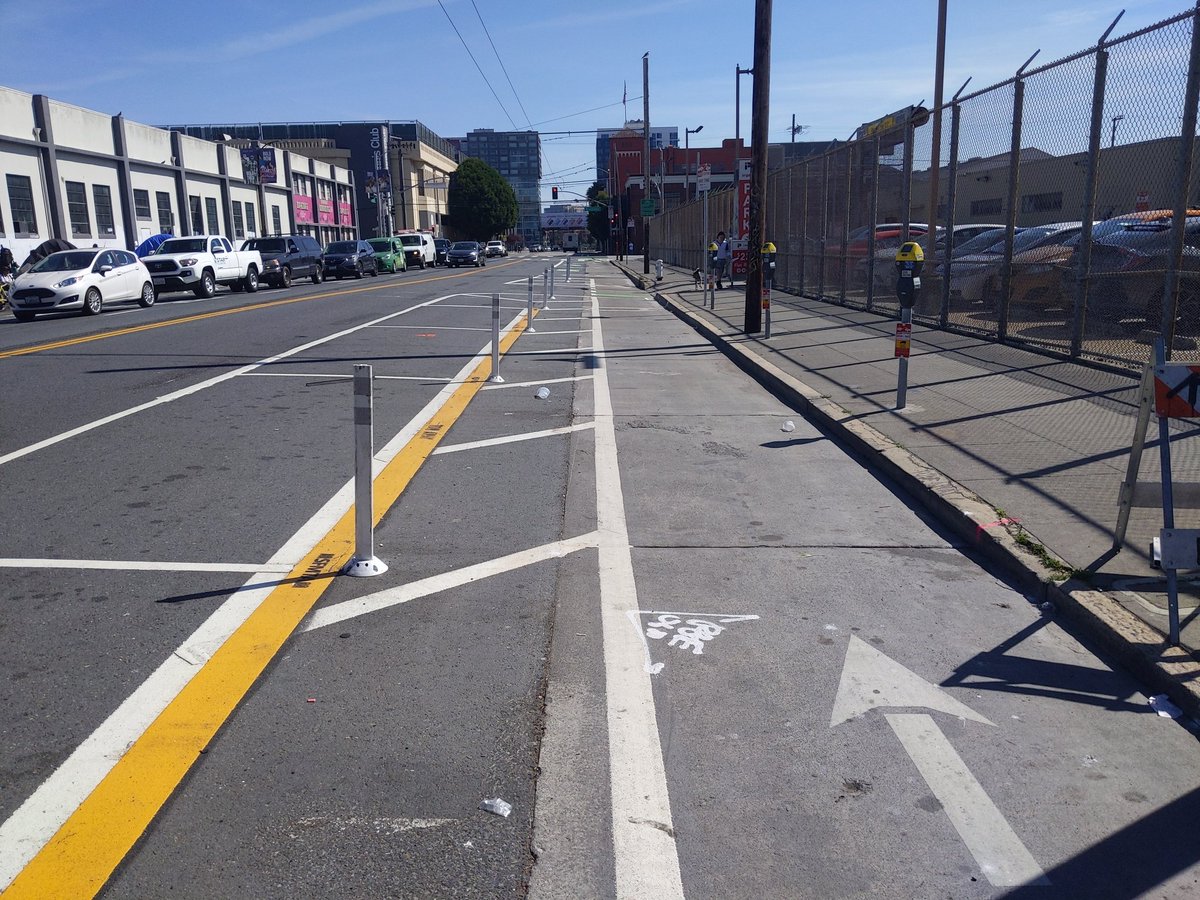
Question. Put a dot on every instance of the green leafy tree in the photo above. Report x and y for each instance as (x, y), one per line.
(597, 222)
(480, 203)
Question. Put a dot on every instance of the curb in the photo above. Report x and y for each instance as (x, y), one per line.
(1139, 647)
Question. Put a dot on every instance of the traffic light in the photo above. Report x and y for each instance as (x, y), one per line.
(554, 193)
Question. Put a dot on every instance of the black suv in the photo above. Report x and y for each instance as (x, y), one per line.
(443, 247)
(288, 256)
(344, 259)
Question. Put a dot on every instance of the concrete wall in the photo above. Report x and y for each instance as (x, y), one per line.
(147, 143)
(81, 128)
(90, 173)
(16, 114)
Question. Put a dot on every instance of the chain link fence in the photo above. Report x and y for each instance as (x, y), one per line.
(1066, 213)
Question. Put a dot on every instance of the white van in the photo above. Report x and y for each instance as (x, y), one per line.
(419, 249)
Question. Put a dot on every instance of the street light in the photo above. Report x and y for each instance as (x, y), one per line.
(687, 185)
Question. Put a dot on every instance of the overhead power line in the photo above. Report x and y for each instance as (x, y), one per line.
(503, 68)
(477, 66)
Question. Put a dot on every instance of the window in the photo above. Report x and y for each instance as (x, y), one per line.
(197, 214)
(214, 226)
(141, 204)
(991, 207)
(275, 220)
(1036, 203)
(239, 230)
(166, 219)
(102, 194)
(251, 224)
(77, 209)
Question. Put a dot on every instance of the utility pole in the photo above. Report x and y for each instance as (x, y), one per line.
(646, 160)
(793, 128)
(759, 121)
(935, 160)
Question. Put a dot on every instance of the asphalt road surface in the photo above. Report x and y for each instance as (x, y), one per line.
(697, 654)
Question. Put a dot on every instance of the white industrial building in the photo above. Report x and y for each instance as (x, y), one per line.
(95, 179)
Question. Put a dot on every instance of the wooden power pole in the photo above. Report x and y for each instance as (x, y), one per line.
(759, 118)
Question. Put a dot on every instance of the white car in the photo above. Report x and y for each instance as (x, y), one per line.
(496, 248)
(81, 279)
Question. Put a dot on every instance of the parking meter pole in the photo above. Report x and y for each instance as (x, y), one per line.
(529, 307)
(768, 275)
(910, 258)
(364, 563)
(902, 378)
(495, 376)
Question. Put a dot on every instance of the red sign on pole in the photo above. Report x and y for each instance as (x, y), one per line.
(1177, 391)
(903, 339)
(741, 255)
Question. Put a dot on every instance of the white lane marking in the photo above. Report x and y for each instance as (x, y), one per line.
(386, 825)
(645, 855)
(577, 331)
(872, 679)
(687, 631)
(527, 384)
(435, 327)
(570, 350)
(513, 438)
(38, 819)
(641, 309)
(349, 609)
(1002, 857)
(481, 307)
(200, 386)
(134, 565)
(439, 379)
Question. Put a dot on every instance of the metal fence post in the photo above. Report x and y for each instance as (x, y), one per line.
(1010, 222)
(873, 215)
(364, 563)
(845, 252)
(824, 222)
(804, 236)
(1083, 265)
(787, 279)
(951, 199)
(906, 183)
(1187, 143)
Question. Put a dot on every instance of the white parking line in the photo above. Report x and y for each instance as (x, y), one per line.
(203, 385)
(575, 350)
(528, 384)
(434, 327)
(431, 378)
(349, 609)
(513, 438)
(133, 565)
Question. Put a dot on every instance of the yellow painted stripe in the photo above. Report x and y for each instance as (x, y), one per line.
(79, 859)
(184, 320)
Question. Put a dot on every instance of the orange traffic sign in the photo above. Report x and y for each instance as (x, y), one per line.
(1177, 391)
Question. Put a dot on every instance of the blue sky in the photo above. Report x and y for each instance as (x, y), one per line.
(834, 65)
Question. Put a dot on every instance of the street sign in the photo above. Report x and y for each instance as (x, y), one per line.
(1177, 391)
(704, 177)
(629, 222)
(648, 206)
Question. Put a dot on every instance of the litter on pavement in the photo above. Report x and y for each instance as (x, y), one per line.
(497, 806)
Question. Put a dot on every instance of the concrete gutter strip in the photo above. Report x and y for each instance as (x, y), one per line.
(1139, 647)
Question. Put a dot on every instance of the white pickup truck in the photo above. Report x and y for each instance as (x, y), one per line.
(201, 262)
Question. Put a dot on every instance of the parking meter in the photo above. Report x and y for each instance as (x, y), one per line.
(767, 251)
(910, 259)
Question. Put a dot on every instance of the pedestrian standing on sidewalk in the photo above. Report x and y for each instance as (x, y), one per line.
(722, 257)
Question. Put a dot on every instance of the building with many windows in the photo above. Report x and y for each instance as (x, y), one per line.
(517, 156)
(94, 179)
(660, 138)
(401, 169)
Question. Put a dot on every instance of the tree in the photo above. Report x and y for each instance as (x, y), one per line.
(597, 222)
(480, 203)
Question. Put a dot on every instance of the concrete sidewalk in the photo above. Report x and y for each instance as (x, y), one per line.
(1022, 453)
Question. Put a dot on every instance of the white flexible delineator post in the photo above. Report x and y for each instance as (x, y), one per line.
(495, 378)
(365, 563)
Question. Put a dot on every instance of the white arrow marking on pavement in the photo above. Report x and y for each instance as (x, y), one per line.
(870, 679)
